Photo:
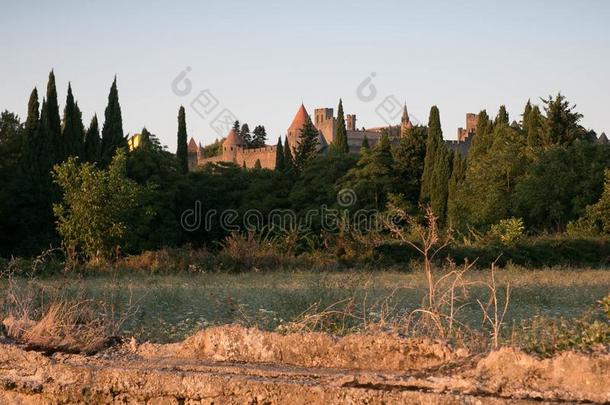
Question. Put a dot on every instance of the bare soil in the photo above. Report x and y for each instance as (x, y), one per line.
(236, 365)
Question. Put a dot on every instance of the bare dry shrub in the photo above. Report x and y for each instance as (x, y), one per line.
(352, 241)
(170, 260)
(50, 319)
(448, 293)
(252, 251)
(348, 315)
(494, 312)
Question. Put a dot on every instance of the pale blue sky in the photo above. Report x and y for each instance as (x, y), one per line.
(261, 59)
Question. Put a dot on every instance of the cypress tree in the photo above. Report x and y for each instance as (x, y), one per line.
(32, 135)
(440, 183)
(437, 170)
(340, 144)
(383, 151)
(483, 138)
(246, 136)
(307, 147)
(257, 164)
(52, 120)
(73, 131)
(45, 148)
(112, 132)
(502, 117)
(526, 117)
(433, 142)
(365, 145)
(92, 141)
(458, 174)
(279, 156)
(236, 127)
(288, 158)
(182, 151)
(145, 140)
(534, 128)
(409, 156)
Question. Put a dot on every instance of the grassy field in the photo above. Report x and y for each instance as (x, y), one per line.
(170, 307)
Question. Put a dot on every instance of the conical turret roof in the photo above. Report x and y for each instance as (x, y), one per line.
(233, 139)
(192, 146)
(299, 119)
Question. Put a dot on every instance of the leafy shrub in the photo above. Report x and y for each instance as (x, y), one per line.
(547, 336)
(97, 209)
(529, 252)
(507, 231)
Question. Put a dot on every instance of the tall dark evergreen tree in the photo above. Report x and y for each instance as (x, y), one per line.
(433, 143)
(340, 144)
(458, 174)
(182, 151)
(259, 137)
(437, 169)
(502, 117)
(372, 178)
(92, 141)
(288, 157)
(483, 139)
(236, 127)
(31, 137)
(246, 136)
(257, 164)
(52, 122)
(561, 125)
(112, 132)
(45, 147)
(279, 156)
(307, 147)
(73, 131)
(534, 128)
(365, 147)
(440, 184)
(526, 117)
(409, 157)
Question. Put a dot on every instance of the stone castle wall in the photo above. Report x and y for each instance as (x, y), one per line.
(266, 155)
(239, 156)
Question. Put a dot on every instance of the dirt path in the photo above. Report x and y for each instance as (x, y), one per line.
(188, 373)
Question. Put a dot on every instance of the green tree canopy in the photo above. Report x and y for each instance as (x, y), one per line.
(97, 207)
(307, 148)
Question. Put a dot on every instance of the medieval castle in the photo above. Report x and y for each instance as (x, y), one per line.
(234, 149)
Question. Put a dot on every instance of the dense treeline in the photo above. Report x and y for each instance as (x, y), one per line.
(62, 182)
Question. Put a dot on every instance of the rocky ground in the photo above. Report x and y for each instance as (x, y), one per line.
(237, 365)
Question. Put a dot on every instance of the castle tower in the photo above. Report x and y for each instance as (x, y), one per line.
(192, 151)
(472, 120)
(405, 122)
(232, 144)
(322, 115)
(294, 130)
(350, 122)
